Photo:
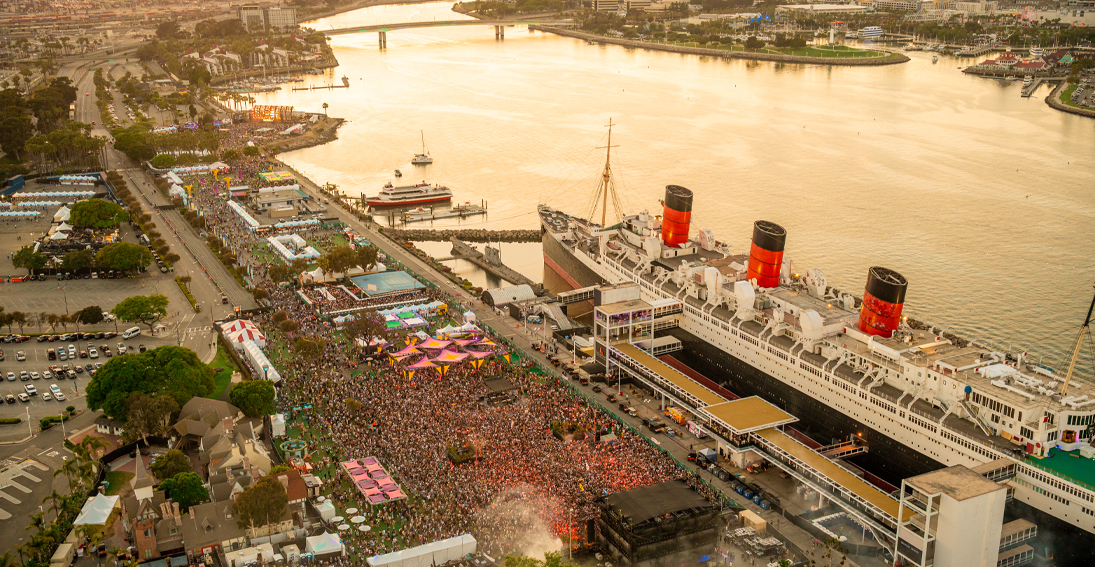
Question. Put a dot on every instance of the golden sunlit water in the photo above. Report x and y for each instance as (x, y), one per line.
(984, 200)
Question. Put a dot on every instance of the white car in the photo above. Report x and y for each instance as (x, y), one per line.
(59, 397)
(47, 375)
(46, 397)
(55, 389)
(34, 376)
(30, 390)
(72, 351)
(121, 348)
(93, 353)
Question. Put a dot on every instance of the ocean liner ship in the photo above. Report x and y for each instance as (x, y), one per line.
(845, 364)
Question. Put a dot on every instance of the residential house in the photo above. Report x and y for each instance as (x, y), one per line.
(271, 57)
(226, 485)
(198, 416)
(295, 487)
(232, 447)
(108, 426)
(211, 527)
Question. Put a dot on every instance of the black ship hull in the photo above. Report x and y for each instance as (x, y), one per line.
(562, 262)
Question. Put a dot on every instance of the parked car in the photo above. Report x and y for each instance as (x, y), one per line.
(30, 390)
(35, 376)
(23, 397)
(43, 338)
(11, 376)
(59, 397)
(21, 356)
(141, 347)
(92, 353)
(10, 399)
(47, 375)
(46, 396)
(24, 375)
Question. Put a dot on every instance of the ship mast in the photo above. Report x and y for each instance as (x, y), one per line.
(606, 182)
(1076, 347)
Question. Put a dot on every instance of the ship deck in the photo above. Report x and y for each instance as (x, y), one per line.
(1069, 465)
(832, 471)
(746, 415)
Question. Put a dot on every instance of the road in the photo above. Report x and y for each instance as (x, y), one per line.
(209, 276)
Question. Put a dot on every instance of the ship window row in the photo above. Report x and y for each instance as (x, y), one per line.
(779, 353)
(810, 369)
(969, 445)
(1017, 559)
(1058, 484)
(1081, 419)
(1087, 511)
(993, 405)
(923, 424)
(883, 405)
(1026, 433)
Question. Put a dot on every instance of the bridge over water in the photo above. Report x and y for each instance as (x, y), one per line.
(383, 29)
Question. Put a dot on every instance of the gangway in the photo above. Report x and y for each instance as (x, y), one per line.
(576, 295)
(845, 449)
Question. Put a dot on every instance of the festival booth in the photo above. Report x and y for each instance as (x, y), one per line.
(238, 338)
(324, 545)
(247, 218)
(301, 249)
(62, 214)
(429, 554)
(373, 481)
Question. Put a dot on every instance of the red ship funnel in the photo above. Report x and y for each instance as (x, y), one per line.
(883, 299)
(766, 253)
(677, 215)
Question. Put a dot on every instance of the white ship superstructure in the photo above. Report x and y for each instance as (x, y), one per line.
(957, 402)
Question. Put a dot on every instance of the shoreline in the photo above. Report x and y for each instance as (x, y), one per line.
(316, 135)
(726, 54)
(1054, 101)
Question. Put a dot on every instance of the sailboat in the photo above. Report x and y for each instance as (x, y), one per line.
(424, 157)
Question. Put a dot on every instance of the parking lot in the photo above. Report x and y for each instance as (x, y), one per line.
(37, 361)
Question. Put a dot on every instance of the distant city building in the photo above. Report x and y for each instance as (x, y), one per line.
(822, 8)
(263, 17)
(894, 5)
(982, 8)
(1075, 13)
(620, 5)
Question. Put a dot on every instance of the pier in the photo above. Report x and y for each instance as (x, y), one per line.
(345, 85)
(464, 234)
(458, 211)
(975, 51)
(1037, 82)
(491, 262)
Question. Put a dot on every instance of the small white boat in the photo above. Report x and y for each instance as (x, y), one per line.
(424, 157)
(1027, 80)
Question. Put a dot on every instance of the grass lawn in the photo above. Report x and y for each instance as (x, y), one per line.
(117, 480)
(836, 52)
(224, 377)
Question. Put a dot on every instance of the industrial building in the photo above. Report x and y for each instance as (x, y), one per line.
(264, 17)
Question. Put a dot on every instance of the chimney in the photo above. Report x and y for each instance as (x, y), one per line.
(284, 478)
(163, 510)
(175, 512)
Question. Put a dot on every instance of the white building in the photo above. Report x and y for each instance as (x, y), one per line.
(260, 17)
(620, 5)
(982, 8)
(1075, 13)
(822, 8)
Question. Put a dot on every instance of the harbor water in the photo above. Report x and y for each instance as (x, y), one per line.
(981, 198)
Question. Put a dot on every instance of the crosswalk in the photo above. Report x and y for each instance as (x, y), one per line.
(14, 482)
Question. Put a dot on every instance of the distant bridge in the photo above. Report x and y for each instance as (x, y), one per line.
(383, 29)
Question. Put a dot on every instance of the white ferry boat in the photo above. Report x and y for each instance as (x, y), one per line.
(405, 196)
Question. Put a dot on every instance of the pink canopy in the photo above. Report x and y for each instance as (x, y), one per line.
(450, 356)
(409, 350)
(487, 342)
(465, 342)
(478, 354)
(238, 325)
(424, 363)
(432, 343)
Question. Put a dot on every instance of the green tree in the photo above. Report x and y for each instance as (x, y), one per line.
(262, 503)
(365, 325)
(278, 273)
(78, 260)
(89, 315)
(171, 464)
(187, 489)
(171, 370)
(308, 347)
(27, 258)
(147, 309)
(123, 256)
(275, 470)
(340, 259)
(16, 128)
(163, 161)
(251, 151)
(753, 43)
(168, 30)
(367, 256)
(97, 213)
(147, 415)
(255, 398)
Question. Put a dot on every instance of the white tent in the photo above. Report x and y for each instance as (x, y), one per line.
(326, 510)
(62, 214)
(237, 338)
(64, 226)
(324, 544)
(58, 236)
(96, 511)
(427, 555)
(238, 325)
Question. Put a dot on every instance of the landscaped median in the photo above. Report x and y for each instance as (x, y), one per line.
(810, 55)
(186, 291)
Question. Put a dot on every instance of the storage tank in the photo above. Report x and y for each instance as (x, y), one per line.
(883, 298)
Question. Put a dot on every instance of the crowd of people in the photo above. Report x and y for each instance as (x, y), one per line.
(526, 487)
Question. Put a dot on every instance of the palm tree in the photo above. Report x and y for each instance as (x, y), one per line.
(69, 469)
(325, 110)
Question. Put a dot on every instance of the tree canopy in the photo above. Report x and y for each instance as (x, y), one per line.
(262, 503)
(255, 398)
(97, 213)
(89, 315)
(185, 488)
(147, 415)
(147, 309)
(123, 256)
(170, 464)
(171, 370)
(29, 259)
(78, 260)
